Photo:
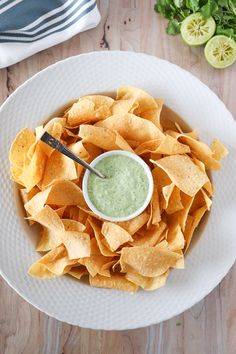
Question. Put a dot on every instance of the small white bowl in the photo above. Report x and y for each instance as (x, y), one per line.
(150, 183)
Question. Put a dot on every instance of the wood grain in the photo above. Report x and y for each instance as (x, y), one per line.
(207, 328)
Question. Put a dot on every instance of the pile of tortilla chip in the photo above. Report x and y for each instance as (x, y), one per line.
(75, 241)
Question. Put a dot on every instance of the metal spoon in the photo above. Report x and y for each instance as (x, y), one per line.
(57, 145)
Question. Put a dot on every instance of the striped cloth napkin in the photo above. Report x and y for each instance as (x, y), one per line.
(29, 26)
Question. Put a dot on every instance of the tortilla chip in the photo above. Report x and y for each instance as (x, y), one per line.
(40, 271)
(183, 173)
(155, 212)
(58, 167)
(218, 149)
(109, 264)
(48, 218)
(180, 264)
(171, 146)
(132, 127)
(33, 169)
(96, 226)
(103, 138)
(16, 172)
(148, 146)
(201, 151)
(139, 103)
(73, 225)
(89, 109)
(60, 211)
(192, 223)
(160, 178)
(19, 147)
(26, 198)
(124, 106)
(55, 128)
(78, 272)
(56, 261)
(116, 281)
(147, 283)
(85, 151)
(133, 225)
(208, 185)
(95, 262)
(115, 235)
(175, 238)
(166, 192)
(147, 261)
(174, 202)
(149, 237)
(72, 195)
(77, 244)
(181, 215)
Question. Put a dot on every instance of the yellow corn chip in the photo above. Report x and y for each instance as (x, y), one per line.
(149, 237)
(103, 138)
(89, 109)
(95, 262)
(183, 173)
(115, 235)
(218, 149)
(148, 146)
(19, 147)
(175, 238)
(60, 211)
(132, 127)
(166, 192)
(77, 244)
(201, 151)
(155, 212)
(34, 169)
(140, 103)
(53, 127)
(147, 283)
(174, 202)
(48, 218)
(96, 226)
(58, 167)
(56, 261)
(192, 222)
(133, 225)
(40, 271)
(116, 281)
(181, 215)
(147, 261)
(78, 272)
(171, 146)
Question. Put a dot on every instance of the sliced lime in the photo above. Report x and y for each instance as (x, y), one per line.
(197, 31)
(220, 52)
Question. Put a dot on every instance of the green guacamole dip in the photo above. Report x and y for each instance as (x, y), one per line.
(124, 189)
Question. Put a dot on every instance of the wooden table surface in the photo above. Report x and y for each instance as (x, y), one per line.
(208, 327)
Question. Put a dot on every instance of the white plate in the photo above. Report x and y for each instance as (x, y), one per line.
(206, 264)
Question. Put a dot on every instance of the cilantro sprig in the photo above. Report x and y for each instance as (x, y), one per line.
(223, 12)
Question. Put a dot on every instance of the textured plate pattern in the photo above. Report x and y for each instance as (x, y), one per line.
(206, 263)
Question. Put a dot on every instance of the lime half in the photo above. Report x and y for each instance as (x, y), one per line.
(197, 31)
(220, 52)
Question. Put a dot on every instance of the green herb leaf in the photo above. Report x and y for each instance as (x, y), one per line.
(173, 27)
(223, 3)
(179, 3)
(229, 32)
(209, 9)
(223, 12)
(192, 5)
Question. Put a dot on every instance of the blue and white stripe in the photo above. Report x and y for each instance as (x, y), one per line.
(29, 21)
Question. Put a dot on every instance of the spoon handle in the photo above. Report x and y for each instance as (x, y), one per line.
(57, 145)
